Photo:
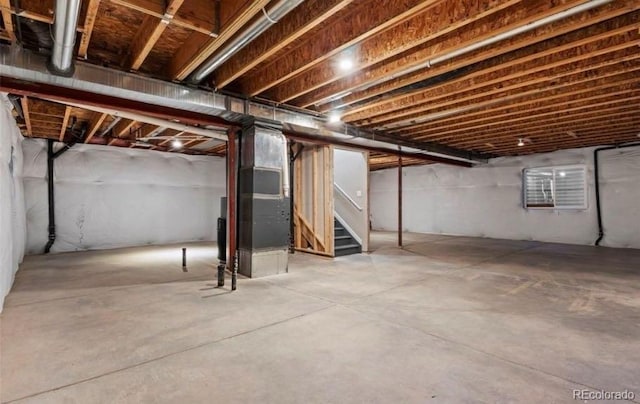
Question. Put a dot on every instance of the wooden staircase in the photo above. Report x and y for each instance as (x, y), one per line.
(344, 242)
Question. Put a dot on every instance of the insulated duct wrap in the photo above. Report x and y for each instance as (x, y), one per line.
(119, 197)
(486, 201)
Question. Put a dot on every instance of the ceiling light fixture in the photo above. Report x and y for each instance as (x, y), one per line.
(345, 64)
(520, 142)
(334, 117)
(176, 144)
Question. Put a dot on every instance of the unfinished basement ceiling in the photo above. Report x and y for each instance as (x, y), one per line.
(464, 74)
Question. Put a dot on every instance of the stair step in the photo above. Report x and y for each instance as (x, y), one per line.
(346, 247)
(342, 237)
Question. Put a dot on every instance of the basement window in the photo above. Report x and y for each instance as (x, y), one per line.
(561, 187)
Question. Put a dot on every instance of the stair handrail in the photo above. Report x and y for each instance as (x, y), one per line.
(342, 191)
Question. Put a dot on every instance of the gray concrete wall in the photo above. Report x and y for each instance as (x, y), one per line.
(486, 201)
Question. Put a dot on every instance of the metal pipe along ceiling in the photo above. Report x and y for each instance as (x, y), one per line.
(64, 36)
(588, 5)
(266, 20)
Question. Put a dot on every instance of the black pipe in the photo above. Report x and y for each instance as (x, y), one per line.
(52, 218)
(597, 184)
(184, 259)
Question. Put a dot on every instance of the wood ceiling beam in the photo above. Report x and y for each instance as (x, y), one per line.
(420, 28)
(24, 102)
(65, 123)
(89, 21)
(599, 138)
(148, 34)
(503, 48)
(363, 22)
(156, 8)
(578, 45)
(97, 119)
(290, 28)
(122, 128)
(588, 121)
(462, 105)
(512, 113)
(561, 99)
(146, 130)
(546, 73)
(602, 109)
(198, 47)
(7, 19)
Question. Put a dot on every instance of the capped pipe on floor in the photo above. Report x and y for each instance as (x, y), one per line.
(266, 20)
(64, 37)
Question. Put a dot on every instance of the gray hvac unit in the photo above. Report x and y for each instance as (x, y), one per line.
(263, 202)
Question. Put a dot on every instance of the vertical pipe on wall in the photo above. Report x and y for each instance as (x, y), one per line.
(232, 205)
(399, 200)
(52, 219)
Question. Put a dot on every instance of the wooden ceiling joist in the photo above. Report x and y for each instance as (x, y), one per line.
(24, 102)
(525, 108)
(363, 22)
(148, 34)
(199, 47)
(547, 32)
(290, 28)
(530, 59)
(123, 128)
(95, 124)
(89, 21)
(65, 123)
(452, 106)
(528, 76)
(427, 25)
(7, 19)
(156, 8)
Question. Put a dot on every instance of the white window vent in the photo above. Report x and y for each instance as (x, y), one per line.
(562, 187)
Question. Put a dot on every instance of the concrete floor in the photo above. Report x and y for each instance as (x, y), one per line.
(448, 319)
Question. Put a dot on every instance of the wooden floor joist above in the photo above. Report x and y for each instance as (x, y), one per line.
(413, 71)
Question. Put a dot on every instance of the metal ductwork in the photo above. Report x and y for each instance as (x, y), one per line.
(24, 72)
(64, 37)
(266, 20)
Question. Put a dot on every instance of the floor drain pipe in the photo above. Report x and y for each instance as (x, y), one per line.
(596, 173)
(51, 157)
(50, 190)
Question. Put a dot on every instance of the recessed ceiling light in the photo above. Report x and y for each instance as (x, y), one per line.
(345, 64)
(176, 144)
(334, 117)
(562, 174)
(520, 142)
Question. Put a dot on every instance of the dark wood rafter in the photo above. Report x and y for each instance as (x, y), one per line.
(24, 103)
